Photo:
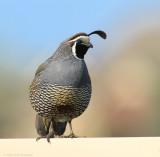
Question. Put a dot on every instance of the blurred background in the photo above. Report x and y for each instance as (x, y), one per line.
(125, 68)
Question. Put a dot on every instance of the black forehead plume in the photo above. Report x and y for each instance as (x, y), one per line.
(100, 33)
(77, 35)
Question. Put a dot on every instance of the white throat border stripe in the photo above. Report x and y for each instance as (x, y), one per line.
(74, 51)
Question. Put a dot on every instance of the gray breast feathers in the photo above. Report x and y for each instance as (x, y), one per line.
(70, 72)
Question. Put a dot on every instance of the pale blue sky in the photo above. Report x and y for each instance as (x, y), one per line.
(28, 26)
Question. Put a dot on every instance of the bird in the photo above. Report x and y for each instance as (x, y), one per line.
(61, 89)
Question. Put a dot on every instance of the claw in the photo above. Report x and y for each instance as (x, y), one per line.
(38, 138)
(48, 140)
(72, 136)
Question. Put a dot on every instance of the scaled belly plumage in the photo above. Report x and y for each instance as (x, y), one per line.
(60, 102)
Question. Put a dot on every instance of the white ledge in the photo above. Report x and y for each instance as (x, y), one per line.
(82, 147)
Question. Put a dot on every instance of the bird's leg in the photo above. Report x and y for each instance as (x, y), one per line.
(71, 130)
(71, 135)
(50, 134)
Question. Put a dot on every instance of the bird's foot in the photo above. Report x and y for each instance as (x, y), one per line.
(48, 136)
(38, 138)
(72, 136)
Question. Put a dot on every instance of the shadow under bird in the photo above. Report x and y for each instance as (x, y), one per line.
(61, 89)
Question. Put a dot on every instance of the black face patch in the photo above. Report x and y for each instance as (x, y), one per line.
(81, 49)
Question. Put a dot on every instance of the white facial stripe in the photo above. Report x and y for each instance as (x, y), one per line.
(74, 51)
(80, 37)
(85, 39)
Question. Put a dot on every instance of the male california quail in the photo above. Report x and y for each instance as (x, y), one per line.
(61, 89)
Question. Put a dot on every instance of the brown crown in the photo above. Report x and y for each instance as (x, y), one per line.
(102, 34)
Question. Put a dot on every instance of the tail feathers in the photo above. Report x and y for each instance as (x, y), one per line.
(42, 126)
(59, 128)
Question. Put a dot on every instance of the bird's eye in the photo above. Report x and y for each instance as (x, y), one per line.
(79, 41)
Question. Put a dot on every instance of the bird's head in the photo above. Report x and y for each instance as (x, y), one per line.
(80, 43)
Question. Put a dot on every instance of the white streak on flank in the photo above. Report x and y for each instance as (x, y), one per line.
(74, 51)
(86, 38)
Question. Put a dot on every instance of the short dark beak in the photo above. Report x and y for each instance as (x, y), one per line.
(90, 46)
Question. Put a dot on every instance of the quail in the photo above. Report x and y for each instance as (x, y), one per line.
(61, 89)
